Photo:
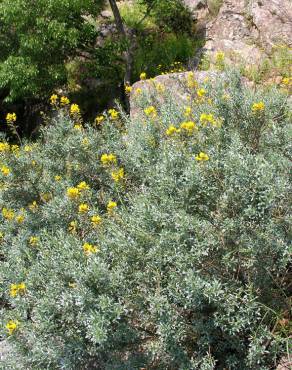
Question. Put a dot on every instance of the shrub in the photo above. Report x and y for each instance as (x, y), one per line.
(159, 242)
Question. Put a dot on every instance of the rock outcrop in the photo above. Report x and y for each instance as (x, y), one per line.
(250, 28)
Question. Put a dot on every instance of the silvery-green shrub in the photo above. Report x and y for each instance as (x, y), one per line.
(191, 269)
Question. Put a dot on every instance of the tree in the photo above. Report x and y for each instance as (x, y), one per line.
(36, 41)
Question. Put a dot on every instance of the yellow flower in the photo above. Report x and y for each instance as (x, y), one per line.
(72, 227)
(64, 101)
(99, 120)
(189, 127)
(258, 107)
(5, 170)
(33, 241)
(111, 206)
(85, 142)
(128, 89)
(160, 88)
(89, 248)
(201, 93)
(188, 111)
(143, 76)
(74, 109)
(191, 82)
(171, 130)
(77, 127)
(96, 220)
(13, 290)
(11, 326)
(72, 285)
(83, 186)
(113, 114)
(150, 111)
(20, 219)
(202, 157)
(207, 118)
(107, 159)
(118, 175)
(58, 178)
(219, 57)
(8, 214)
(138, 91)
(83, 208)
(33, 206)
(11, 118)
(287, 81)
(16, 289)
(4, 147)
(27, 148)
(54, 99)
(1, 235)
(73, 193)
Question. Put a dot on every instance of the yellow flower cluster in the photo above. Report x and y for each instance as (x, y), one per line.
(5, 170)
(83, 208)
(20, 218)
(118, 175)
(4, 147)
(201, 93)
(74, 110)
(73, 193)
(33, 206)
(96, 220)
(128, 89)
(16, 289)
(191, 82)
(108, 159)
(54, 99)
(188, 127)
(64, 101)
(172, 130)
(258, 107)
(33, 241)
(113, 114)
(72, 227)
(143, 76)
(111, 206)
(287, 81)
(209, 118)
(11, 118)
(11, 326)
(151, 111)
(99, 120)
(8, 214)
(89, 249)
(202, 157)
(83, 186)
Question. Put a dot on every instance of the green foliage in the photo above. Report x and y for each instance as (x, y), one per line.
(36, 39)
(191, 270)
(172, 15)
(162, 50)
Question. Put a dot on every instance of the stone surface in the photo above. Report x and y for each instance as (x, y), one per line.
(250, 28)
(285, 364)
(106, 14)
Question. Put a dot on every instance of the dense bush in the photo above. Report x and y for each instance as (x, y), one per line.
(158, 242)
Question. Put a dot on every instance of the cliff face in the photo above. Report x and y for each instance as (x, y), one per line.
(250, 28)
